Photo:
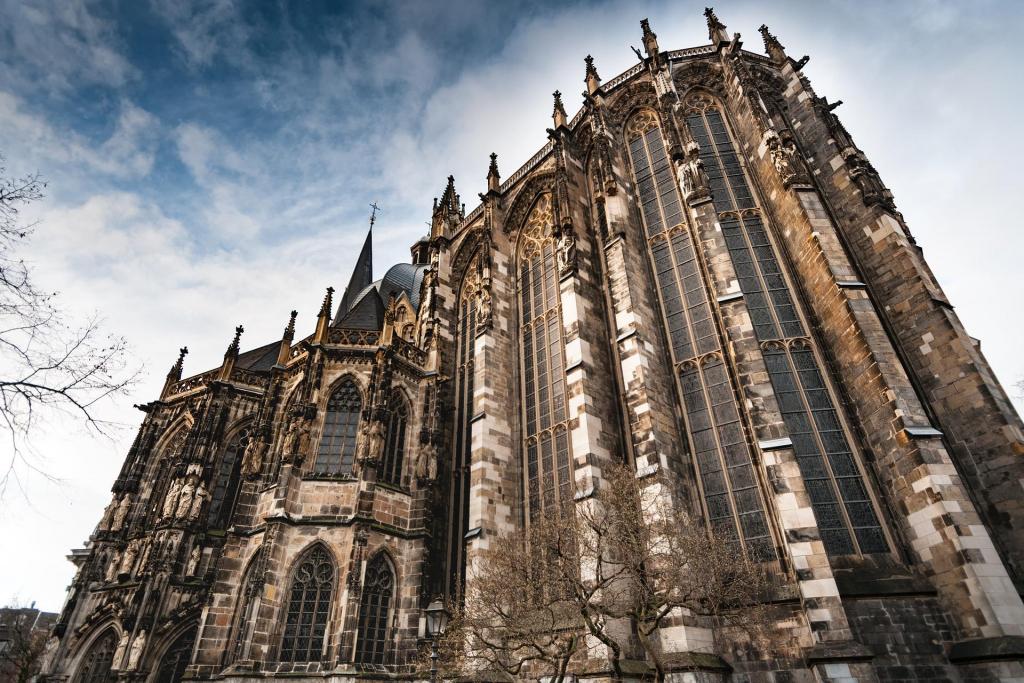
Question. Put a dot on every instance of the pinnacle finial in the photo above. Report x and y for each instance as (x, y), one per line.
(182, 352)
(289, 330)
(592, 79)
(772, 46)
(233, 347)
(558, 115)
(716, 29)
(493, 177)
(325, 308)
(175, 372)
(650, 38)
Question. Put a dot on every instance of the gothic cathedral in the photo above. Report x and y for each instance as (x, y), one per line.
(700, 275)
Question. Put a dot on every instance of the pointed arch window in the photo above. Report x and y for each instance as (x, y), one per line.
(176, 659)
(718, 439)
(375, 611)
(226, 481)
(393, 459)
(549, 472)
(337, 449)
(844, 510)
(458, 502)
(309, 605)
(96, 663)
(161, 470)
(249, 599)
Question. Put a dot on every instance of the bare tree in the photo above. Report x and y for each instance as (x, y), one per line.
(616, 567)
(48, 364)
(21, 645)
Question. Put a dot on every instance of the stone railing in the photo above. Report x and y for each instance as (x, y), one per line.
(409, 351)
(353, 337)
(249, 378)
(193, 383)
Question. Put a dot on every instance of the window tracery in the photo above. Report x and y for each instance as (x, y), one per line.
(226, 481)
(337, 449)
(309, 604)
(393, 459)
(846, 515)
(96, 664)
(549, 471)
(718, 438)
(375, 611)
(175, 660)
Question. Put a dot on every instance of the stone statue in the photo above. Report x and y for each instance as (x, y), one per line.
(171, 500)
(135, 653)
(252, 461)
(112, 563)
(192, 566)
(485, 306)
(785, 157)
(185, 500)
(566, 251)
(375, 441)
(122, 645)
(131, 553)
(122, 512)
(692, 176)
(426, 463)
(297, 441)
(108, 513)
(197, 502)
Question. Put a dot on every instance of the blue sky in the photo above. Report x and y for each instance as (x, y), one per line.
(212, 163)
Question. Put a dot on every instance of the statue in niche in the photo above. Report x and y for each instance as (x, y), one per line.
(112, 564)
(198, 499)
(566, 251)
(122, 646)
(135, 653)
(185, 500)
(122, 512)
(426, 463)
(296, 441)
(192, 566)
(131, 553)
(108, 513)
(255, 451)
(171, 499)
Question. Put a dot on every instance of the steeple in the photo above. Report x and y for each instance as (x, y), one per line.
(174, 374)
(772, 46)
(449, 212)
(716, 29)
(592, 80)
(231, 355)
(558, 115)
(362, 274)
(323, 319)
(284, 351)
(493, 177)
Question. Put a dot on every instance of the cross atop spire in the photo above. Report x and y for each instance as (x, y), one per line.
(716, 29)
(558, 115)
(592, 80)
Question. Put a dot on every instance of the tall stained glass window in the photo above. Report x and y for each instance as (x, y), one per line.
(842, 505)
(309, 605)
(394, 444)
(175, 660)
(374, 612)
(733, 500)
(458, 495)
(337, 449)
(549, 471)
(226, 482)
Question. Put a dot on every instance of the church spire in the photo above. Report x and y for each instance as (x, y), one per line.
(592, 80)
(323, 319)
(558, 115)
(231, 355)
(449, 212)
(772, 46)
(362, 272)
(284, 351)
(716, 29)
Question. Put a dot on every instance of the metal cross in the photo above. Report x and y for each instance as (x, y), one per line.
(373, 215)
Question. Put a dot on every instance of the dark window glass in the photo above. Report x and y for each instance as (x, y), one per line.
(226, 483)
(176, 659)
(96, 664)
(374, 610)
(394, 445)
(309, 603)
(341, 424)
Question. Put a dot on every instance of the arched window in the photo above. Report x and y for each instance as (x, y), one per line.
(549, 475)
(824, 453)
(175, 660)
(733, 501)
(226, 481)
(394, 446)
(374, 610)
(458, 487)
(161, 470)
(341, 424)
(309, 604)
(95, 666)
(248, 604)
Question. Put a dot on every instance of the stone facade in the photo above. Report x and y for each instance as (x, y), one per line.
(699, 274)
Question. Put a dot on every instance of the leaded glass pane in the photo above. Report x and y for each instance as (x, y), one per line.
(374, 612)
(341, 424)
(95, 666)
(308, 604)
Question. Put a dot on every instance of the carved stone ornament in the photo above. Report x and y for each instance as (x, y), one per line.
(122, 646)
(255, 452)
(484, 312)
(135, 653)
(426, 463)
(198, 500)
(296, 441)
(171, 499)
(566, 252)
(375, 441)
(122, 512)
(192, 566)
(785, 157)
(185, 500)
(696, 186)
